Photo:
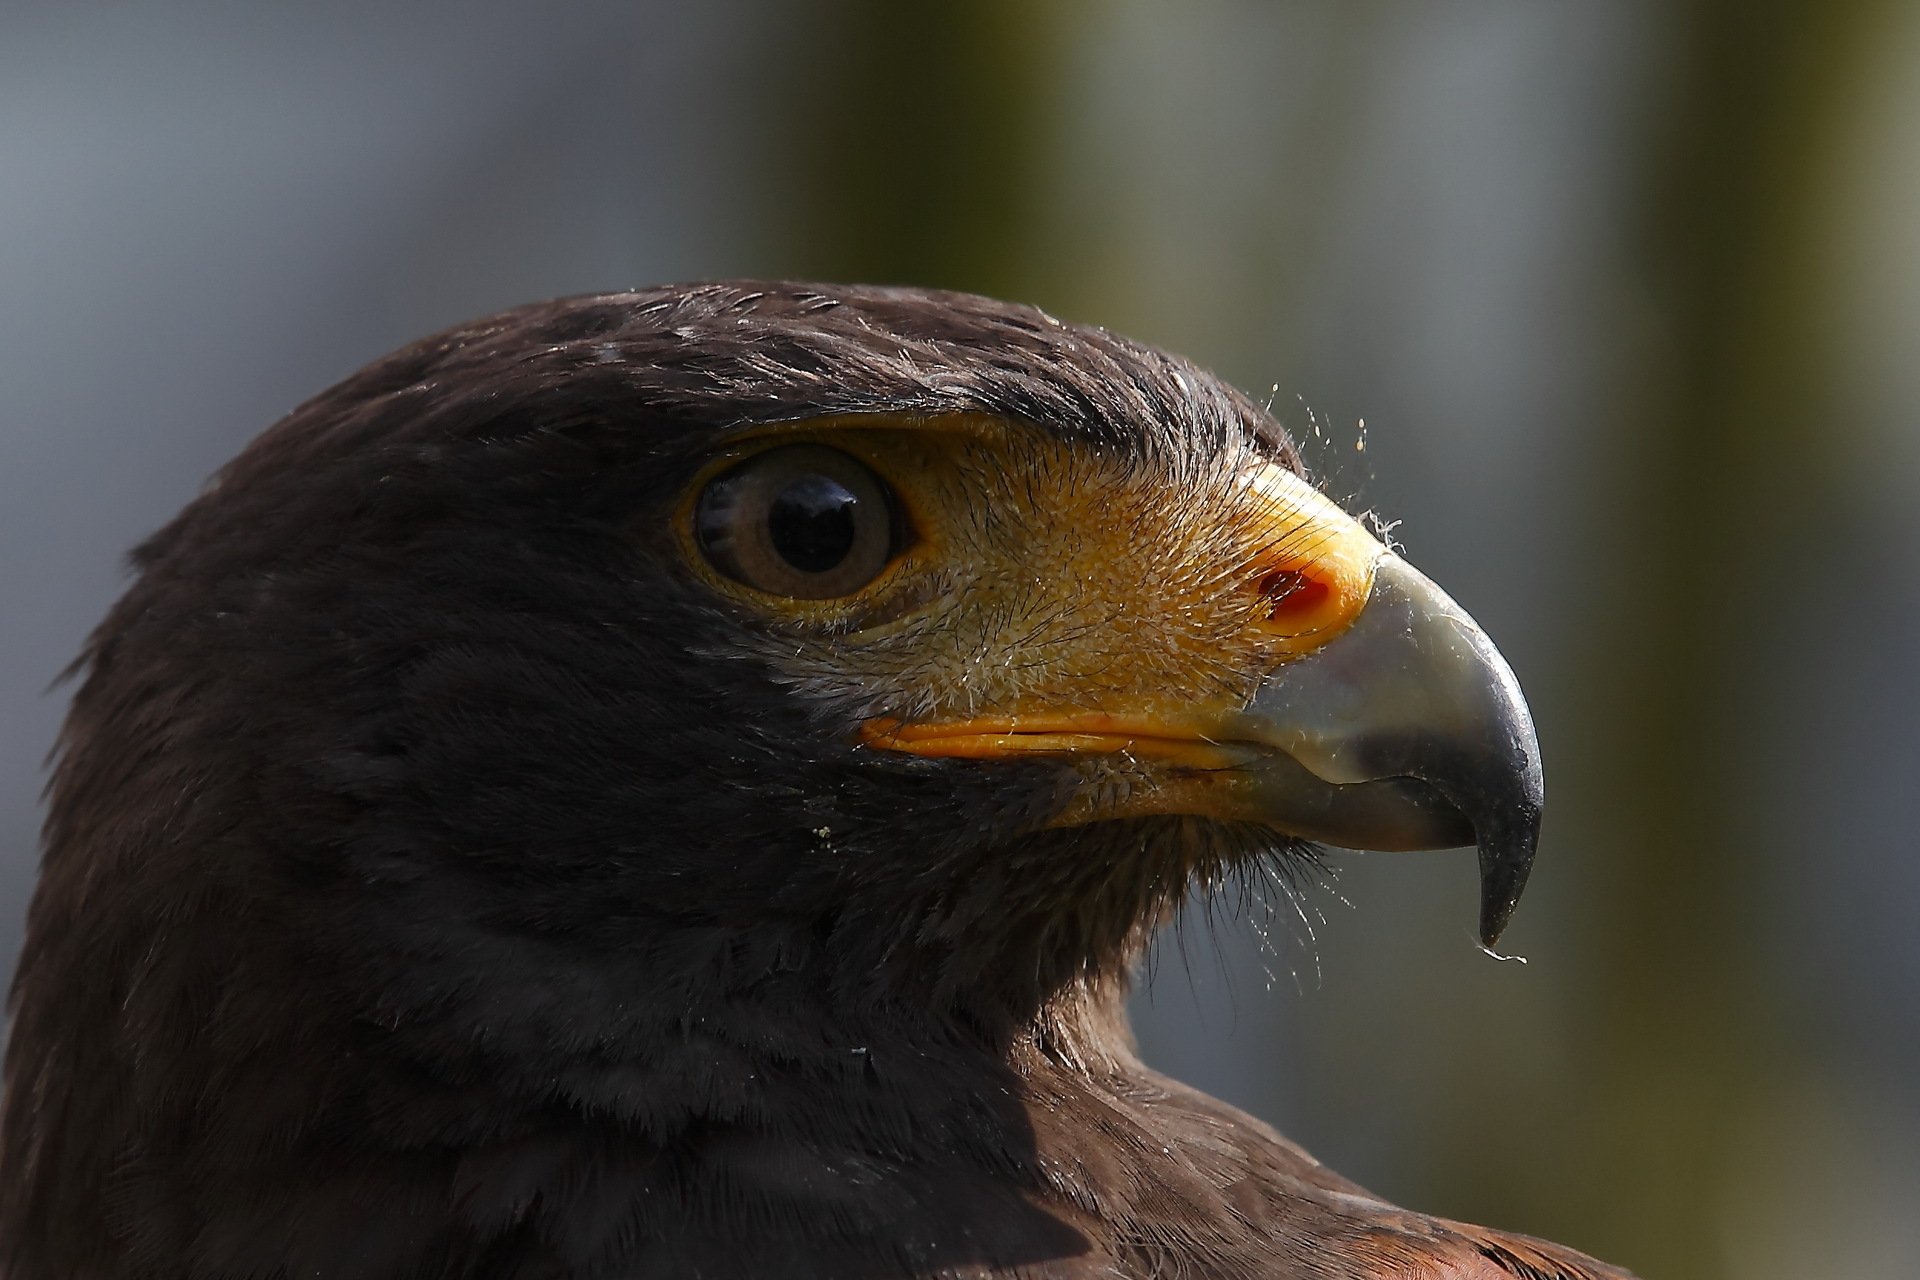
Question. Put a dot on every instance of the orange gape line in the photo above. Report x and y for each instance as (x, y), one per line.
(1163, 739)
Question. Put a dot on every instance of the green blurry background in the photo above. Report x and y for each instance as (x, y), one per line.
(1626, 293)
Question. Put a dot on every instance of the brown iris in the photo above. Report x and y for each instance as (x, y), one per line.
(803, 521)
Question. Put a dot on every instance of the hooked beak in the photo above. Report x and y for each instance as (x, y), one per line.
(1406, 731)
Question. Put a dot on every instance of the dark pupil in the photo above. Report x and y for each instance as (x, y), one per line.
(811, 523)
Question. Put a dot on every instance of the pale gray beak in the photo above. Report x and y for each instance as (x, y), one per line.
(1406, 731)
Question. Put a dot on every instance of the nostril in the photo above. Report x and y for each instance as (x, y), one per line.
(1292, 593)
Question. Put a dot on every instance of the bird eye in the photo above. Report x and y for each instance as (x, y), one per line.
(803, 521)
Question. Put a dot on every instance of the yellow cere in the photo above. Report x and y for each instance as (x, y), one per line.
(1315, 561)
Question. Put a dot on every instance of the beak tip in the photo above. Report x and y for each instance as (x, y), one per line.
(1496, 909)
(1506, 859)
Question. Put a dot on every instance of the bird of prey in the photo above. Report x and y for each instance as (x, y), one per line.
(672, 784)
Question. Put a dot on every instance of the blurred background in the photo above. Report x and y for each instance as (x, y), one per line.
(1627, 297)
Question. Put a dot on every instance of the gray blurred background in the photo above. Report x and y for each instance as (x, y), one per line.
(1626, 293)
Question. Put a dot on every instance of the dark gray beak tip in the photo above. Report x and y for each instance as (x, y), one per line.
(1506, 859)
